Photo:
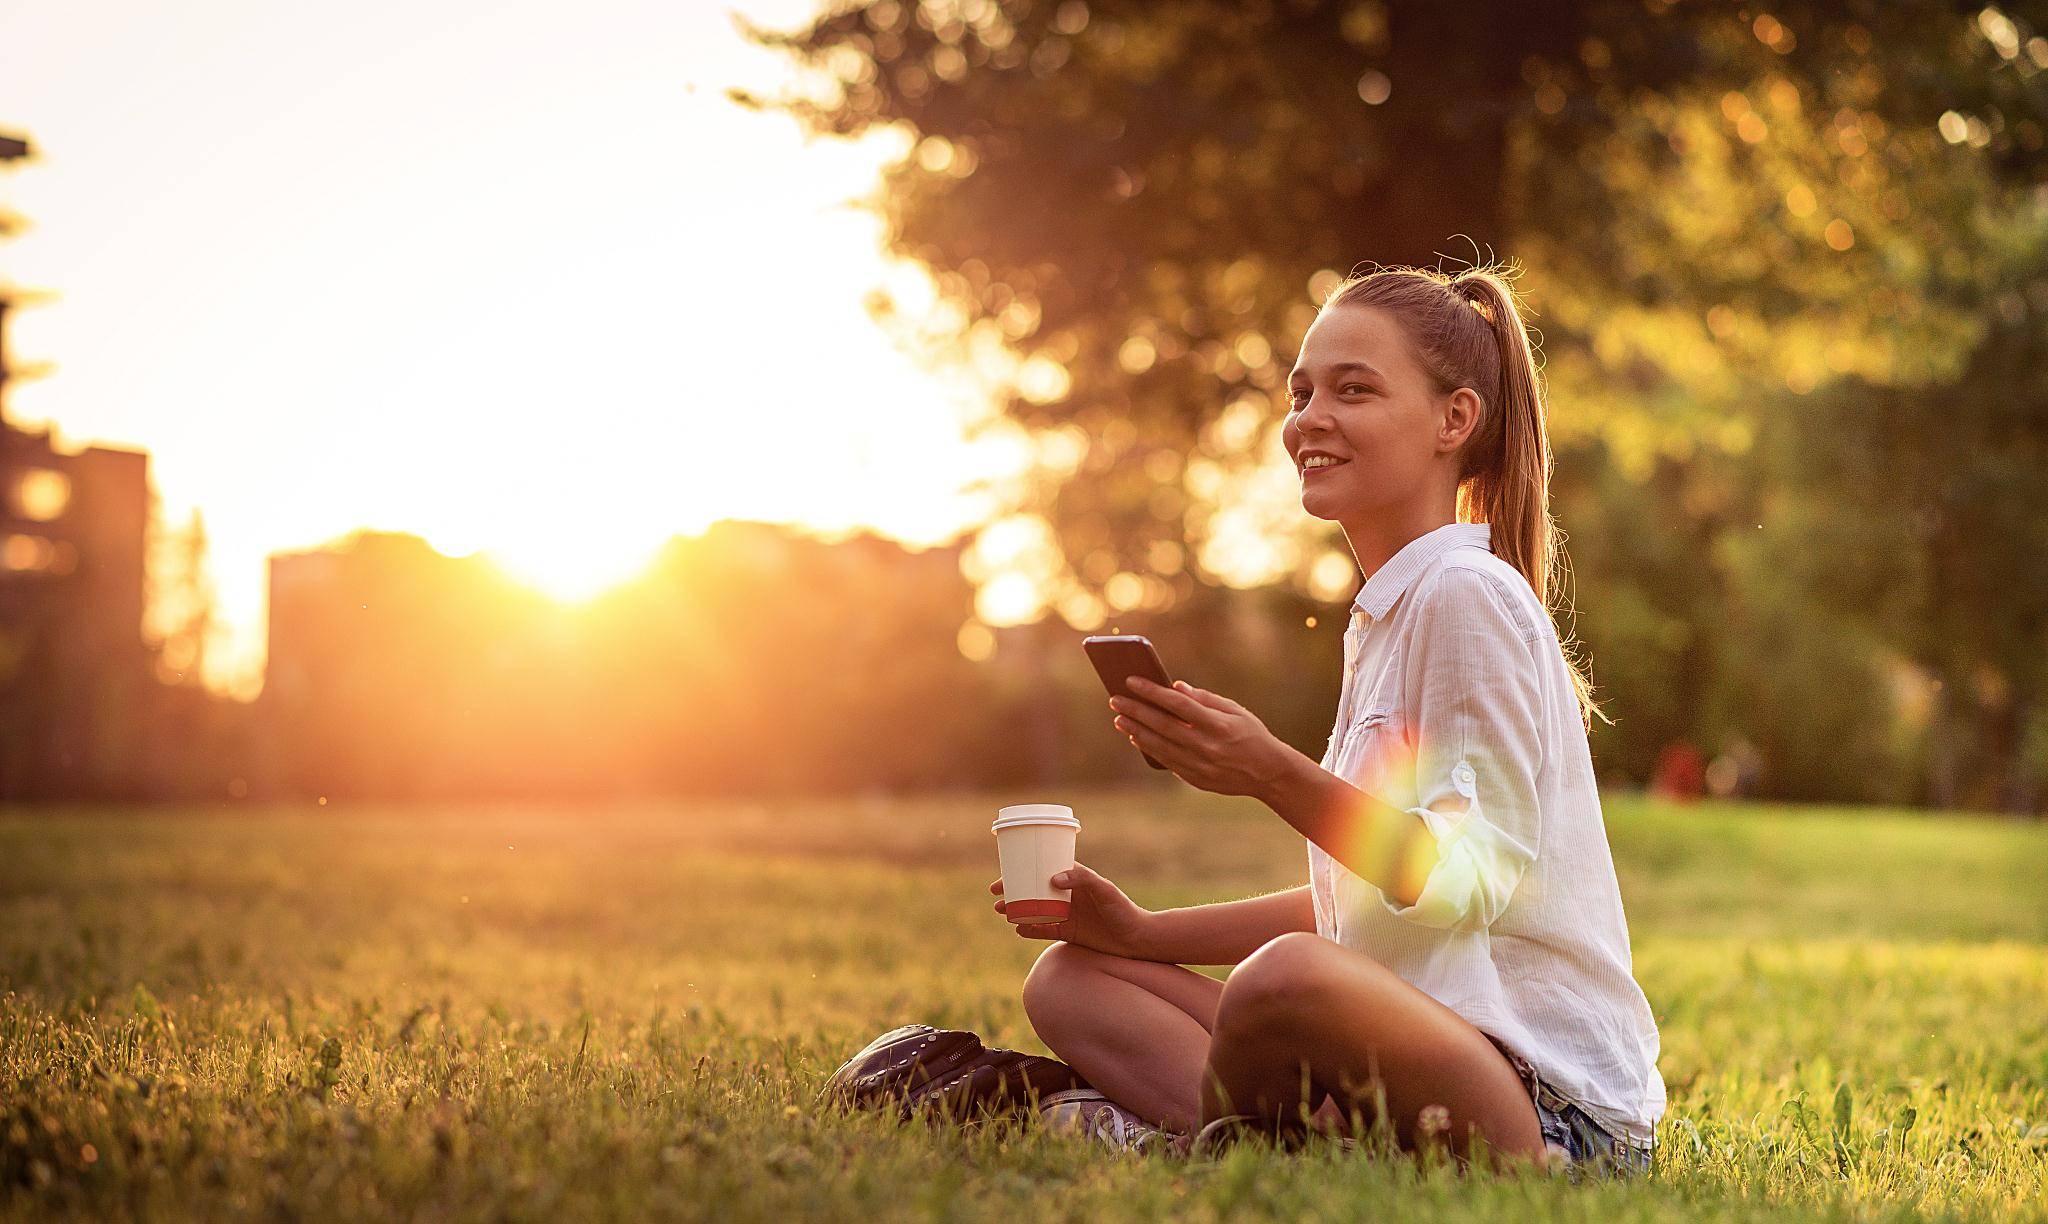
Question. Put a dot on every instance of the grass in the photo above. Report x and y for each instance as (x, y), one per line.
(515, 1013)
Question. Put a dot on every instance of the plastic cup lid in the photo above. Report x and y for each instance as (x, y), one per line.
(1021, 814)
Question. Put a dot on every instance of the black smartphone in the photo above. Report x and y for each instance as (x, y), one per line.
(1119, 657)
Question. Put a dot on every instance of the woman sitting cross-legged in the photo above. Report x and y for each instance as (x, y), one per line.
(1458, 952)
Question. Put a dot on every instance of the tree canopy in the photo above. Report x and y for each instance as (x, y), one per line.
(1746, 231)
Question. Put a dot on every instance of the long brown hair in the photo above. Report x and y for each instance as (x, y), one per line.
(1468, 331)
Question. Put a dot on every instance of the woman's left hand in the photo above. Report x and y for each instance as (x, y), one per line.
(1205, 738)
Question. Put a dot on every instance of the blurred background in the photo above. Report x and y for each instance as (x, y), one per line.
(500, 400)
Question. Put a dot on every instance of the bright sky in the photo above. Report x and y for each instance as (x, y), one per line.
(512, 275)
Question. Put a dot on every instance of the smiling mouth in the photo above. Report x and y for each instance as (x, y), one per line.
(1307, 472)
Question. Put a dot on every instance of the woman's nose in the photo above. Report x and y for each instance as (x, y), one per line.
(1313, 420)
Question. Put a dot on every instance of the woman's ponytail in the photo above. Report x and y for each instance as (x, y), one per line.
(1507, 482)
(1510, 486)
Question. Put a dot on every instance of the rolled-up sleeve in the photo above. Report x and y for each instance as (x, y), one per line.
(1475, 699)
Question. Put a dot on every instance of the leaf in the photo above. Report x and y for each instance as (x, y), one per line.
(145, 1005)
(1844, 1112)
(327, 1066)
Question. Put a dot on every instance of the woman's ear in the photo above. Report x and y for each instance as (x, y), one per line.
(1461, 417)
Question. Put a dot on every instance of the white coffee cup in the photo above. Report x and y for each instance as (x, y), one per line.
(1034, 842)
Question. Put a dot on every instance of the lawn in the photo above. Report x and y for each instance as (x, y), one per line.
(532, 1013)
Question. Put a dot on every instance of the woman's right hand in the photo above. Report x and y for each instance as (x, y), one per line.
(1102, 917)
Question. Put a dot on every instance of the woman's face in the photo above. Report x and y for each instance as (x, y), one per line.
(1360, 397)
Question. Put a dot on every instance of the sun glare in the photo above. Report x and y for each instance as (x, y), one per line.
(540, 319)
(571, 564)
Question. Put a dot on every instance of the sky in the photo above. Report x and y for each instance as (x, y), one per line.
(514, 276)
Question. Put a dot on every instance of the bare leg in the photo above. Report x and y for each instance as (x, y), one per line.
(1302, 1017)
(1137, 1030)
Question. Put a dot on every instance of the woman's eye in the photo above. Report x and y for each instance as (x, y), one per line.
(1356, 388)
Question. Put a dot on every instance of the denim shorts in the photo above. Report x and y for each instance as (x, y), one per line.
(1571, 1130)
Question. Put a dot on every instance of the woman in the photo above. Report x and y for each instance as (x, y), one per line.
(1459, 952)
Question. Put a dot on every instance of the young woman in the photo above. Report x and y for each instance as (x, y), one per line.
(1458, 953)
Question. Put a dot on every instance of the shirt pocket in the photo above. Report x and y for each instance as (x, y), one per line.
(1377, 758)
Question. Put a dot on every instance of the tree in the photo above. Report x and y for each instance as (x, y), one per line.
(1721, 208)
(182, 608)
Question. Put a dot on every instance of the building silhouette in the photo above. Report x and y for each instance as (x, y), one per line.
(75, 678)
(752, 658)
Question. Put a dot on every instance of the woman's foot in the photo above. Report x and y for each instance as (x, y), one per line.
(1089, 1114)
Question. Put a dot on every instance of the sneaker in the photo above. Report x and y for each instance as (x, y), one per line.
(1089, 1114)
(1226, 1132)
(1221, 1133)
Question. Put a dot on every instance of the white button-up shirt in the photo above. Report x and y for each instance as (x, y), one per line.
(1458, 707)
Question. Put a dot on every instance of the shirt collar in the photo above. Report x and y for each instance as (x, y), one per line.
(1401, 570)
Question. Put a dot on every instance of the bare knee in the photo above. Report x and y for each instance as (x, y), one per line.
(1286, 979)
(1057, 981)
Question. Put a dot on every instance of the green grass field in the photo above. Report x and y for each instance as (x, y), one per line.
(537, 1014)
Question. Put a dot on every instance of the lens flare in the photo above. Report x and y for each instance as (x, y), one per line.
(1377, 839)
